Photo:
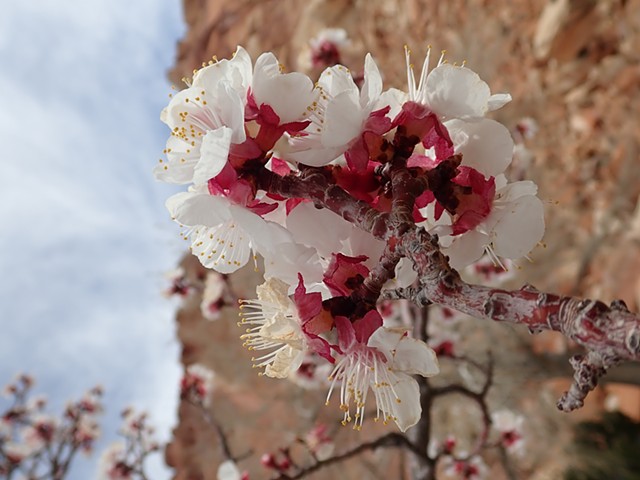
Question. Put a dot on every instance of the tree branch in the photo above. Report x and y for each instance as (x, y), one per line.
(610, 334)
(390, 440)
(317, 185)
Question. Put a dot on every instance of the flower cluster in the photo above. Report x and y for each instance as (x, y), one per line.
(459, 464)
(320, 180)
(42, 444)
(214, 286)
(124, 460)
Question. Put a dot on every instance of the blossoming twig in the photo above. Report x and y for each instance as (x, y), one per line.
(390, 440)
(610, 334)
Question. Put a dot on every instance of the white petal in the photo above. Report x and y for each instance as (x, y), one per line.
(520, 228)
(285, 261)
(266, 67)
(210, 75)
(225, 247)
(314, 157)
(228, 471)
(515, 190)
(415, 357)
(231, 110)
(286, 361)
(336, 80)
(180, 175)
(214, 153)
(342, 121)
(497, 101)
(456, 92)
(466, 248)
(282, 328)
(372, 86)
(173, 113)
(237, 72)
(501, 182)
(242, 61)
(274, 291)
(393, 98)
(179, 167)
(485, 145)
(283, 257)
(263, 234)
(192, 209)
(288, 94)
(405, 275)
(178, 148)
(441, 227)
(405, 354)
(318, 228)
(360, 242)
(408, 411)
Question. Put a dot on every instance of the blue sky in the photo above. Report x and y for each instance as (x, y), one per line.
(85, 237)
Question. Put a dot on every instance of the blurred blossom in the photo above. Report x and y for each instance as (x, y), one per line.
(313, 372)
(216, 295)
(527, 127)
(510, 428)
(319, 442)
(197, 384)
(112, 464)
(178, 283)
(471, 469)
(26, 433)
(326, 47)
(228, 470)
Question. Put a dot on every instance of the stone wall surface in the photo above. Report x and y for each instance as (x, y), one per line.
(571, 65)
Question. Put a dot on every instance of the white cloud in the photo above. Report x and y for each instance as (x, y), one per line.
(85, 236)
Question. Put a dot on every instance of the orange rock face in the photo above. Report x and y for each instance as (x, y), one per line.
(572, 66)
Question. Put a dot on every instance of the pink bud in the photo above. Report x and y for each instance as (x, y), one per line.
(268, 461)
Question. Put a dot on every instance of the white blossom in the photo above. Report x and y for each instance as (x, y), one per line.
(510, 427)
(513, 227)
(203, 127)
(288, 94)
(274, 325)
(338, 116)
(461, 98)
(385, 365)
